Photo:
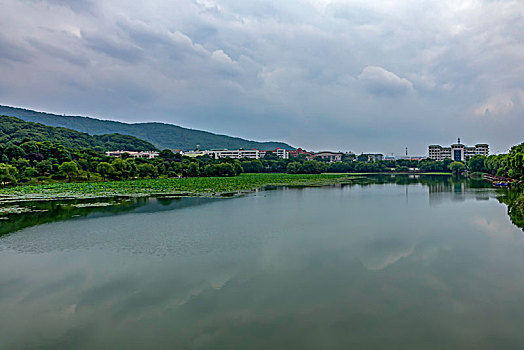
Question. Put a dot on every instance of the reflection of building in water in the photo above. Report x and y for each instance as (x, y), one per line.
(482, 196)
(456, 191)
(453, 190)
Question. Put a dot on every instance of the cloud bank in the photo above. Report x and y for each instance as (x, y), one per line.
(342, 75)
(382, 82)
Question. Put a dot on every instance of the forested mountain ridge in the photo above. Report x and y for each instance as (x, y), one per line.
(17, 131)
(162, 135)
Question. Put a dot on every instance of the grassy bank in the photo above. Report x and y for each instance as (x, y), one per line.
(174, 186)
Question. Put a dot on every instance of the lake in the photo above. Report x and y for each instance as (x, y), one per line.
(389, 263)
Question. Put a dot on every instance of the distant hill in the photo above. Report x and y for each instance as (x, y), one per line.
(17, 131)
(161, 135)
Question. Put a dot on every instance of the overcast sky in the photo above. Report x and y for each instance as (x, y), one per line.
(359, 75)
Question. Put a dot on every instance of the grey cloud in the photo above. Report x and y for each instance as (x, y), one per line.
(79, 6)
(352, 13)
(230, 66)
(13, 52)
(142, 33)
(113, 48)
(382, 82)
(74, 58)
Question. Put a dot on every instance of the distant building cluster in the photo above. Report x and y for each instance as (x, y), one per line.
(238, 153)
(457, 152)
(256, 154)
(259, 154)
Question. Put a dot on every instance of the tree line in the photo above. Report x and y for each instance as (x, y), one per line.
(34, 162)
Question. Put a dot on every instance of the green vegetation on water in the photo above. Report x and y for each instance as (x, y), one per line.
(175, 186)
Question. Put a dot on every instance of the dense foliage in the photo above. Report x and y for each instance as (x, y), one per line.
(301, 165)
(507, 165)
(34, 162)
(17, 131)
(159, 134)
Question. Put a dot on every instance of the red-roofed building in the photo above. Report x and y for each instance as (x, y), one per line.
(295, 152)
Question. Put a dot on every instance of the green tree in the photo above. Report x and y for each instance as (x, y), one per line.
(191, 170)
(147, 170)
(29, 173)
(477, 163)
(362, 158)
(516, 162)
(69, 169)
(457, 168)
(20, 164)
(338, 167)
(166, 154)
(105, 169)
(124, 168)
(13, 151)
(270, 156)
(313, 167)
(293, 168)
(44, 167)
(8, 174)
(252, 166)
(30, 147)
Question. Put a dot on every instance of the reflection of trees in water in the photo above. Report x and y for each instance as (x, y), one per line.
(42, 212)
(439, 188)
(515, 202)
(436, 183)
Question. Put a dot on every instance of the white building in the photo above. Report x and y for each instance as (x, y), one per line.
(245, 153)
(194, 154)
(457, 151)
(373, 157)
(133, 154)
(281, 153)
(234, 154)
(331, 156)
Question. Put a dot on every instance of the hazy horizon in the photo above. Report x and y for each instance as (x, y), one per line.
(359, 76)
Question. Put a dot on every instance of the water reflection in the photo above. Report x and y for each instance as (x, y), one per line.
(42, 212)
(515, 202)
(353, 266)
(440, 188)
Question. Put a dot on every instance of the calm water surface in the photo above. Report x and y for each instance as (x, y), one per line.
(433, 265)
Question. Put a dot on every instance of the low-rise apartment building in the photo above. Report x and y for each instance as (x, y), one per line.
(246, 153)
(234, 153)
(281, 153)
(331, 156)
